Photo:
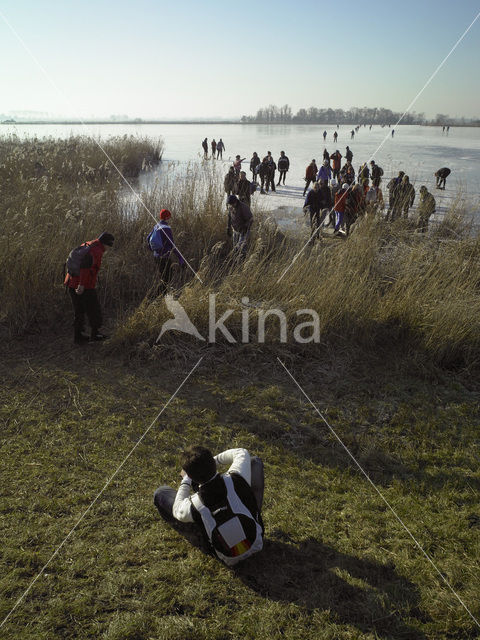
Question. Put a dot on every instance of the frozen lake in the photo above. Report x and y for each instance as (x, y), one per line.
(419, 151)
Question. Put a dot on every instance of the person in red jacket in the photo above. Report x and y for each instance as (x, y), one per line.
(82, 290)
(310, 175)
(336, 159)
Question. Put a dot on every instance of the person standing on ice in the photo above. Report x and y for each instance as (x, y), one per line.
(220, 149)
(310, 175)
(214, 148)
(325, 172)
(324, 136)
(348, 154)
(336, 159)
(352, 134)
(283, 166)
(254, 162)
(335, 136)
(205, 148)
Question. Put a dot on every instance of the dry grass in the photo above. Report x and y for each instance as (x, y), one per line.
(385, 285)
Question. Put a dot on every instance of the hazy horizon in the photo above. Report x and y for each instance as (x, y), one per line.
(157, 60)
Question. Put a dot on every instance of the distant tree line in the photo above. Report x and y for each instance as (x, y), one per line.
(354, 116)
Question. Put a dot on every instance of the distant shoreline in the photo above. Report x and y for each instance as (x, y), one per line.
(216, 122)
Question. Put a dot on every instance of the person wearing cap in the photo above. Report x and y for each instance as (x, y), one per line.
(160, 242)
(82, 290)
(240, 220)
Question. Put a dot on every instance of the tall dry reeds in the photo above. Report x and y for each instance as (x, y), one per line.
(385, 285)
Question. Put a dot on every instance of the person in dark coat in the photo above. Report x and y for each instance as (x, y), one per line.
(243, 188)
(310, 175)
(270, 174)
(377, 173)
(283, 167)
(239, 222)
(348, 154)
(229, 182)
(441, 176)
(254, 162)
(220, 149)
(205, 148)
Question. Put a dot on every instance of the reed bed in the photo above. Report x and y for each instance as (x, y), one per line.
(385, 285)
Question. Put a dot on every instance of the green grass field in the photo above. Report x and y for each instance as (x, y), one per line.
(337, 564)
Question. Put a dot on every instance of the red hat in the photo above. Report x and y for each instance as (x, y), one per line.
(164, 214)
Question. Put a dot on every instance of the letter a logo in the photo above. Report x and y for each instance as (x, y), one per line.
(180, 321)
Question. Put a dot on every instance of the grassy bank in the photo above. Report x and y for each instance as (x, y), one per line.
(337, 564)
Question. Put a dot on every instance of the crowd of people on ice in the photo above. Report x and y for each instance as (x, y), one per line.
(336, 191)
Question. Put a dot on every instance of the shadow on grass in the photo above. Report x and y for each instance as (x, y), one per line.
(356, 591)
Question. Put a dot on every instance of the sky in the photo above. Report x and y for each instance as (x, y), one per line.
(199, 59)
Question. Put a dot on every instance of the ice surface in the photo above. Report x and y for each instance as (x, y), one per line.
(419, 151)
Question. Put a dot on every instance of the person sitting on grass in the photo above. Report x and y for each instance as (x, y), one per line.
(226, 507)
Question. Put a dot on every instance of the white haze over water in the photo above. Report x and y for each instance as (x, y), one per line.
(419, 151)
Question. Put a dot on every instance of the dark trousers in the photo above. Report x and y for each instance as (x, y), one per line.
(270, 182)
(164, 496)
(219, 153)
(164, 268)
(335, 173)
(88, 305)
(282, 175)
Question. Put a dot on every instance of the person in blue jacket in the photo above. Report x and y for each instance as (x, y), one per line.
(160, 242)
(325, 172)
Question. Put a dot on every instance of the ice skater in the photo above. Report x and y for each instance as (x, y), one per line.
(441, 176)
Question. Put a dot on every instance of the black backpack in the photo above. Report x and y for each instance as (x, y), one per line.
(78, 259)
